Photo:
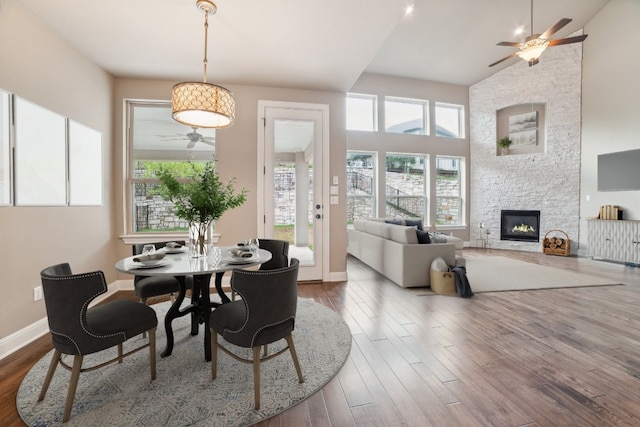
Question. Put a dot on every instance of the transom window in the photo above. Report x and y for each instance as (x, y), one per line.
(449, 120)
(155, 140)
(362, 112)
(405, 115)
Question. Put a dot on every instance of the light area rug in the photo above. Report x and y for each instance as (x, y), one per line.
(183, 392)
(496, 273)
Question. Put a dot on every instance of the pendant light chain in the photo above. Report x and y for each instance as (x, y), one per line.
(206, 39)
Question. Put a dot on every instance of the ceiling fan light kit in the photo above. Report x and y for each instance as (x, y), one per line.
(203, 104)
(535, 44)
(532, 49)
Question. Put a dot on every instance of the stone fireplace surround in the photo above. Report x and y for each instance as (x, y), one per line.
(547, 181)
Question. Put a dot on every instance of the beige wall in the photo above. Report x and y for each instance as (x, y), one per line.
(382, 142)
(610, 107)
(236, 154)
(38, 66)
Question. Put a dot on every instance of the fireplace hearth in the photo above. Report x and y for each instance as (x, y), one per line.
(520, 225)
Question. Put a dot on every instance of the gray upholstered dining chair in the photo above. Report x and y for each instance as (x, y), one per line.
(265, 314)
(279, 256)
(147, 287)
(279, 253)
(78, 330)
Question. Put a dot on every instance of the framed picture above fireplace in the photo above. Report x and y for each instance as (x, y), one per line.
(523, 129)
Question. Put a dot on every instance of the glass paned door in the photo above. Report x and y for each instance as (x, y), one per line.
(293, 208)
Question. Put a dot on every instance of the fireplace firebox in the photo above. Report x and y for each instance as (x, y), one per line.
(519, 225)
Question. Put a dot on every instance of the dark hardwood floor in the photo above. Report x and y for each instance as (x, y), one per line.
(558, 357)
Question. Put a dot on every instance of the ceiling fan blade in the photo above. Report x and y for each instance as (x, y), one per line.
(191, 144)
(555, 28)
(568, 40)
(514, 44)
(504, 59)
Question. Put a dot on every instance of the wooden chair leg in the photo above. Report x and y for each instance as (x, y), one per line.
(265, 351)
(144, 301)
(294, 356)
(120, 353)
(214, 354)
(256, 375)
(152, 352)
(52, 369)
(73, 384)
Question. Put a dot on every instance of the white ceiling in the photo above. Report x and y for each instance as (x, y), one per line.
(322, 45)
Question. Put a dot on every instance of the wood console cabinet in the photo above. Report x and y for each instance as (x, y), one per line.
(614, 240)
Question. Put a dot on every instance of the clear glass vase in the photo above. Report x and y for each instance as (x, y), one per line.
(201, 238)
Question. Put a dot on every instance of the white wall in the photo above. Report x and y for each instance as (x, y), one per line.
(610, 107)
(37, 65)
(548, 181)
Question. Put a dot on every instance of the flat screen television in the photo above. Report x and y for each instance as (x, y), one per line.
(619, 171)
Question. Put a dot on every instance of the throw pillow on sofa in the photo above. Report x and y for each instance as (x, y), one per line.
(414, 223)
(393, 221)
(423, 236)
(437, 238)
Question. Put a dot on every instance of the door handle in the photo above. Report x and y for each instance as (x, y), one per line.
(318, 216)
(318, 207)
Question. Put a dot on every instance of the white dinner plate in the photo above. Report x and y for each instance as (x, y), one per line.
(228, 259)
(167, 250)
(154, 263)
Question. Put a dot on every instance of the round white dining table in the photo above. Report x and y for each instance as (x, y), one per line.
(180, 265)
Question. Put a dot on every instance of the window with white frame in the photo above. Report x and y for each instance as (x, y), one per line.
(406, 185)
(362, 112)
(361, 188)
(449, 190)
(405, 115)
(155, 140)
(449, 120)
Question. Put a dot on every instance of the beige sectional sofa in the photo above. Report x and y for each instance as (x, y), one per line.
(394, 251)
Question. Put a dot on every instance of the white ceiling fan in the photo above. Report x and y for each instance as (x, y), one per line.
(192, 138)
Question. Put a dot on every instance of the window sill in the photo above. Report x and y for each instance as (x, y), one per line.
(132, 239)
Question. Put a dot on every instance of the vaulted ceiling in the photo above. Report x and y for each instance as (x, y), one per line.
(324, 45)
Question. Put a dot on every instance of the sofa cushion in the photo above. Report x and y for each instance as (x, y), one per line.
(413, 223)
(423, 236)
(376, 228)
(402, 234)
(393, 221)
(359, 224)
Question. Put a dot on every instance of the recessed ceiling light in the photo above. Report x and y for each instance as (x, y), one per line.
(519, 30)
(409, 9)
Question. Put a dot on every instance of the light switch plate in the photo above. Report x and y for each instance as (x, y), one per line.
(334, 200)
(335, 180)
(334, 189)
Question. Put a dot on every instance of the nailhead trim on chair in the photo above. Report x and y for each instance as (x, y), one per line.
(86, 304)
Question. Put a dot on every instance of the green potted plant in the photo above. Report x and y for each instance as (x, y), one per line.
(199, 199)
(504, 144)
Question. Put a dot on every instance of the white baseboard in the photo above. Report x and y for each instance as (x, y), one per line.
(32, 332)
(24, 336)
(338, 276)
